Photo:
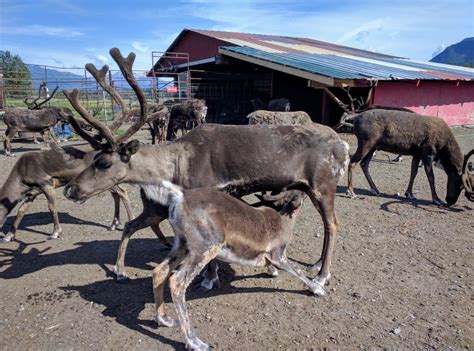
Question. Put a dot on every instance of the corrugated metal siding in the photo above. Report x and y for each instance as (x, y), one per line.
(334, 60)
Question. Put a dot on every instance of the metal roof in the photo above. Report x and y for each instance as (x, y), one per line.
(330, 60)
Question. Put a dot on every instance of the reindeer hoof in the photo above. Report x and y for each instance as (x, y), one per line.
(120, 277)
(410, 196)
(317, 289)
(315, 268)
(208, 284)
(113, 226)
(55, 235)
(8, 238)
(351, 194)
(438, 202)
(196, 344)
(272, 271)
(166, 321)
(375, 192)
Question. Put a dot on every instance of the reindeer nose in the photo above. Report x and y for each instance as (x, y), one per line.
(70, 191)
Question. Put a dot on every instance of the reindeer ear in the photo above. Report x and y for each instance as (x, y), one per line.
(128, 150)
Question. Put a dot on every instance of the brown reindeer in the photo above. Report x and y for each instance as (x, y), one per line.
(42, 172)
(36, 119)
(186, 115)
(213, 225)
(427, 139)
(311, 158)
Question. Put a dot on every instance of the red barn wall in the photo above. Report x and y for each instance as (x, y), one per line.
(451, 100)
(198, 46)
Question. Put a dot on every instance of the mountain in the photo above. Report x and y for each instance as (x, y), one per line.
(460, 54)
(66, 79)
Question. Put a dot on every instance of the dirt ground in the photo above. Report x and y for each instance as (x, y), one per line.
(401, 277)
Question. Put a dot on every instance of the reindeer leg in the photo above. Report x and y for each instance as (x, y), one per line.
(278, 258)
(22, 210)
(123, 193)
(45, 141)
(414, 171)
(146, 219)
(35, 139)
(362, 151)
(9, 134)
(427, 159)
(160, 276)
(323, 200)
(49, 192)
(116, 219)
(152, 132)
(211, 279)
(118, 193)
(365, 168)
(192, 264)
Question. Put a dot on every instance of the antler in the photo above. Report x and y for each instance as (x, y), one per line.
(466, 181)
(34, 106)
(100, 77)
(125, 65)
(73, 97)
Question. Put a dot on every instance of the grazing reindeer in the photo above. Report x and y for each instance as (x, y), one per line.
(188, 113)
(428, 139)
(311, 158)
(209, 224)
(38, 173)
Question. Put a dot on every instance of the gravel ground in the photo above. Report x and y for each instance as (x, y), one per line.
(401, 277)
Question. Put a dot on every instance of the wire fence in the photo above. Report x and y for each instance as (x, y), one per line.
(169, 87)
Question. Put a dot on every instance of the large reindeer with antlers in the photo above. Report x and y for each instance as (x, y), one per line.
(310, 158)
(36, 119)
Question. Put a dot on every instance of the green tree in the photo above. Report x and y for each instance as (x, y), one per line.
(16, 75)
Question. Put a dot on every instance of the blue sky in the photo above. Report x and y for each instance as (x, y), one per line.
(71, 33)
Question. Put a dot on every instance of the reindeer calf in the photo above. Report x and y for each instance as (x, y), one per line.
(209, 224)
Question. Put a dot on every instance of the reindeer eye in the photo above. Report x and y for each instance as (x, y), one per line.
(103, 163)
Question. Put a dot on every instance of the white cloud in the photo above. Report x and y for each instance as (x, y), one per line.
(40, 30)
(140, 47)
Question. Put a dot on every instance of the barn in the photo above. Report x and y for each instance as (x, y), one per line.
(231, 69)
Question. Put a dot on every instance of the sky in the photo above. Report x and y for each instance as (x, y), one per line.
(71, 33)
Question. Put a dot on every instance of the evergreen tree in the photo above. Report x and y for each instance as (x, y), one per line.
(16, 75)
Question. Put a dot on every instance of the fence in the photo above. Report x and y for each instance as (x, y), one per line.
(13, 91)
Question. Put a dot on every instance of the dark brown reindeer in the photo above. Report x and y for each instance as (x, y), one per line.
(427, 139)
(186, 115)
(42, 172)
(282, 105)
(213, 225)
(311, 158)
(36, 119)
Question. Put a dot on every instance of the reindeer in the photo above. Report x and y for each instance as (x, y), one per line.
(278, 118)
(209, 224)
(428, 139)
(282, 105)
(42, 172)
(311, 158)
(188, 113)
(157, 122)
(36, 119)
